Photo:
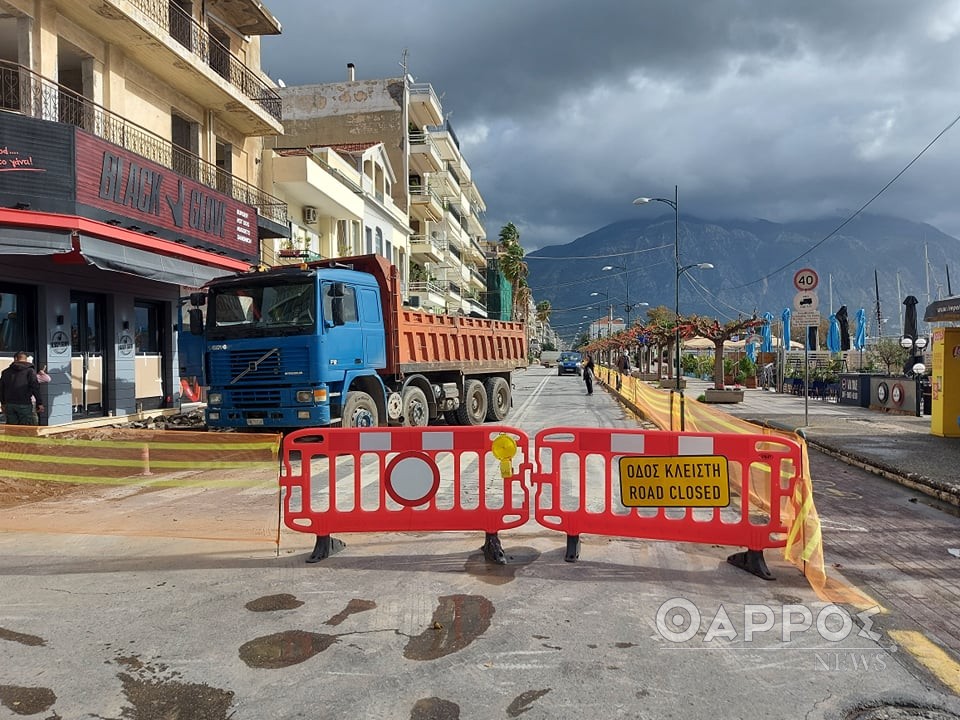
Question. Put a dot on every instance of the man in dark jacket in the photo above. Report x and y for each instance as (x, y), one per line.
(18, 388)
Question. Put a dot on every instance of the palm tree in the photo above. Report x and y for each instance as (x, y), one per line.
(514, 269)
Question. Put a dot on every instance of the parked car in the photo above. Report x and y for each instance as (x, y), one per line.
(569, 362)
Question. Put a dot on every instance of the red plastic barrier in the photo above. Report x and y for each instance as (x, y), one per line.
(404, 479)
(584, 485)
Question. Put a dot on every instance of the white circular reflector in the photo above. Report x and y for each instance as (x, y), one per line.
(412, 479)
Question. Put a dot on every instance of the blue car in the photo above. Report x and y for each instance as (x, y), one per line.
(568, 362)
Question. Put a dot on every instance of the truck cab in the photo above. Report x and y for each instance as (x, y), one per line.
(283, 344)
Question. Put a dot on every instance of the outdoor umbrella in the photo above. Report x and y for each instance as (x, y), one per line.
(844, 327)
(751, 349)
(766, 333)
(785, 317)
(860, 339)
(833, 335)
(910, 317)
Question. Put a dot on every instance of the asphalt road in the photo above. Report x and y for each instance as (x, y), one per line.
(108, 609)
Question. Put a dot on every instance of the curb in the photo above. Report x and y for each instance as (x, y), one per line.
(928, 486)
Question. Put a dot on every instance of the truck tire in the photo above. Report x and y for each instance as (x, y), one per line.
(473, 407)
(359, 411)
(498, 398)
(416, 412)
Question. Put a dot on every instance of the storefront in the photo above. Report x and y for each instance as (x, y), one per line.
(97, 246)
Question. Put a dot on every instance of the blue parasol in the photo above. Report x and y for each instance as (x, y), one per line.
(833, 335)
(860, 339)
(766, 334)
(785, 316)
(751, 349)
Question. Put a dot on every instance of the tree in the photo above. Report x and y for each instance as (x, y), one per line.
(713, 330)
(543, 311)
(889, 353)
(514, 269)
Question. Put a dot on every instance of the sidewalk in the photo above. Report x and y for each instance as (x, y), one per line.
(899, 447)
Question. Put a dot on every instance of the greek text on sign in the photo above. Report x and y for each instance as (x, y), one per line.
(680, 481)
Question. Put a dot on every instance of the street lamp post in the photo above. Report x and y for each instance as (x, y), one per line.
(628, 307)
(915, 364)
(681, 269)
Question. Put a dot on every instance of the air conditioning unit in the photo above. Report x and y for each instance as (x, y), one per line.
(310, 215)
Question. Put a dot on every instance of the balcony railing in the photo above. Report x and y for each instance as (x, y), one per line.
(26, 92)
(189, 33)
(426, 287)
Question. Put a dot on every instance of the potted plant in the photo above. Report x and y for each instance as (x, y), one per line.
(747, 372)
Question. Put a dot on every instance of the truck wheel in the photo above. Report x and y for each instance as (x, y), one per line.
(498, 398)
(473, 407)
(359, 411)
(416, 412)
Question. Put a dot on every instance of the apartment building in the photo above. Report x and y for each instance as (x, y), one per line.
(131, 135)
(442, 261)
(341, 203)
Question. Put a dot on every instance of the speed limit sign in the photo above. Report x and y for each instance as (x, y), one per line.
(806, 279)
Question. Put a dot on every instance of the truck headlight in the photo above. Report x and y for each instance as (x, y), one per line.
(214, 398)
(214, 416)
(304, 396)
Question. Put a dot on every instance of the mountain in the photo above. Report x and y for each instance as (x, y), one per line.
(754, 265)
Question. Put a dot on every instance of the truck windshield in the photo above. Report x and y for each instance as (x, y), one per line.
(257, 310)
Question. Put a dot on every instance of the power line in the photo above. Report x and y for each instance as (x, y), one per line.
(857, 212)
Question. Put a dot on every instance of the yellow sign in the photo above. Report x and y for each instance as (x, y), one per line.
(682, 481)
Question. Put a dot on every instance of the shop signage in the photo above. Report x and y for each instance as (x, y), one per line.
(126, 185)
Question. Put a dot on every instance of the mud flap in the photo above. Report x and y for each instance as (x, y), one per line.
(573, 548)
(752, 561)
(493, 550)
(325, 547)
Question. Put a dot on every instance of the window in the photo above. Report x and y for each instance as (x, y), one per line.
(185, 136)
(350, 314)
(224, 163)
(369, 241)
(146, 337)
(379, 243)
(17, 310)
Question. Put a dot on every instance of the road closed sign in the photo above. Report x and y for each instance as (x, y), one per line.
(683, 481)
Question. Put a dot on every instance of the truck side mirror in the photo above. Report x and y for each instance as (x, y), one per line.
(198, 299)
(336, 308)
(196, 321)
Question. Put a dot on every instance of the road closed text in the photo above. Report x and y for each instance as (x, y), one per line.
(687, 481)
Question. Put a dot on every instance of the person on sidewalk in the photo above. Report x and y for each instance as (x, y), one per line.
(588, 373)
(18, 387)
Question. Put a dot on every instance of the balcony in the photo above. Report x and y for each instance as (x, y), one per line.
(430, 296)
(473, 305)
(425, 204)
(187, 56)
(425, 248)
(424, 157)
(425, 106)
(25, 92)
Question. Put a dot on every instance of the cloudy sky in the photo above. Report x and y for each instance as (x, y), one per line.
(567, 111)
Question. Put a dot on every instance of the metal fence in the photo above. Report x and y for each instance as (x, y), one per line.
(30, 94)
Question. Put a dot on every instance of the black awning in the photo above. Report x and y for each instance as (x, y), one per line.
(23, 241)
(943, 311)
(267, 228)
(162, 268)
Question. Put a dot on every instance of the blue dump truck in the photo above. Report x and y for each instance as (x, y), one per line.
(330, 343)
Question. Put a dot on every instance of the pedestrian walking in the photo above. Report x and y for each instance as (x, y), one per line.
(18, 388)
(588, 373)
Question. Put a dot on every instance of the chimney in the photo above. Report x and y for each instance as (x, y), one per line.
(350, 72)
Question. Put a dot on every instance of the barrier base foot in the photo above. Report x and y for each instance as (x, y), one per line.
(752, 561)
(493, 550)
(573, 548)
(325, 547)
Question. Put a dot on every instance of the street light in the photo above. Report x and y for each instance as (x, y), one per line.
(681, 269)
(915, 365)
(628, 306)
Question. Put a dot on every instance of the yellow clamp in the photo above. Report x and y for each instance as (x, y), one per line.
(504, 448)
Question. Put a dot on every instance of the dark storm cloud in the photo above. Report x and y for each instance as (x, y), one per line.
(568, 110)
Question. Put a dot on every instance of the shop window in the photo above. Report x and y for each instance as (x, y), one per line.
(17, 319)
(147, 328)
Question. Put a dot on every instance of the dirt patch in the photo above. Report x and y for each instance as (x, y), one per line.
(14, 493)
